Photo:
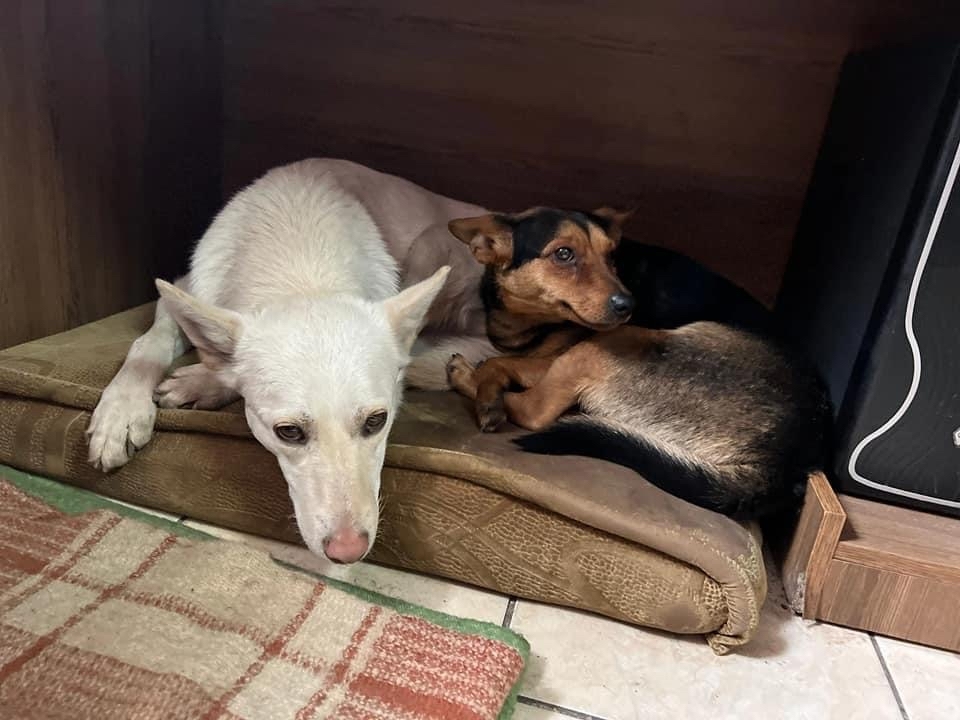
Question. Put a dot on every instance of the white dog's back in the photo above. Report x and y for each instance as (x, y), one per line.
(295, 232)
(282, 236)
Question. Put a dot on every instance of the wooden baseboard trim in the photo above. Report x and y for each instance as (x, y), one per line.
(813, 545)
(875, 567)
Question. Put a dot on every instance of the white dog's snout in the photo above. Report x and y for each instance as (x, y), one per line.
(346, 544)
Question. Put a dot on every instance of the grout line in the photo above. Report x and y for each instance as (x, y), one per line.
(557, 709)
(890, 681)
(508, 613)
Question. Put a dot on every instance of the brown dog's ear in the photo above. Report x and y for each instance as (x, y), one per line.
(489, 238)
(616, 218)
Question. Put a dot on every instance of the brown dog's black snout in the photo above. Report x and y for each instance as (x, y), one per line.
(622, 304)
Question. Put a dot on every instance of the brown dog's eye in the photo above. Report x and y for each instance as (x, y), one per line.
(564, 255)
(290, 433)
(374, 422)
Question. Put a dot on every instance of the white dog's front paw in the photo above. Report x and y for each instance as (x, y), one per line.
(121, 424)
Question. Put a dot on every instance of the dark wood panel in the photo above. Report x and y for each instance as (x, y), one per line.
(184, 164)
(33, 248)
(109, 139)
(707, 115)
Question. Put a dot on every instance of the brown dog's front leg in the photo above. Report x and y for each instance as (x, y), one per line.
(487, 383)
(493, 378)
(583, 366)
(559, 388)
(542, 404)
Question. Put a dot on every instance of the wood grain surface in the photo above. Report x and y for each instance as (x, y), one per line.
(876, 567)
(706, 115)
(109, 154)
(889, 602)
(122, 122)
(812, 546)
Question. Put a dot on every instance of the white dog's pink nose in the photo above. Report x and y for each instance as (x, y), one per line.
(346, 545)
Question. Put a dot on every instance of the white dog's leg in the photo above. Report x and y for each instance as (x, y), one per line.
(122, 422)
(428, 368)
(194, 386)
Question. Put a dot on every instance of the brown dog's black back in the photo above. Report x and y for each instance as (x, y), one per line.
(671, 289)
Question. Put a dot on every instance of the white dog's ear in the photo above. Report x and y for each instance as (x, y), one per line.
(407, 310)
(213, 331)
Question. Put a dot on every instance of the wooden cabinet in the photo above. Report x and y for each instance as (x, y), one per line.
(123, 124)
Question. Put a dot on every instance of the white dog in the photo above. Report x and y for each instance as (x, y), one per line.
(291, 302)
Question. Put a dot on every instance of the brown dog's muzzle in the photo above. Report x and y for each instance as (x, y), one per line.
(605, 307)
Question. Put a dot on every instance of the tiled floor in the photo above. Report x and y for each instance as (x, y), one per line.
(587, 667)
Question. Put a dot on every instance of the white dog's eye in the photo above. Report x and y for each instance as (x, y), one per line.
(290, 433)
(374, 422)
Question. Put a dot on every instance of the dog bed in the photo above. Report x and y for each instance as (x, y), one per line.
(457, 503)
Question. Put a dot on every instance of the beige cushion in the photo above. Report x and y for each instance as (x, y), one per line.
(457, 503)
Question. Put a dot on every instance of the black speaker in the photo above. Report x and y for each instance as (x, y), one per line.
(872, 289)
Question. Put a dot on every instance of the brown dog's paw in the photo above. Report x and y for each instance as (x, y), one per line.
(460, 373)
(491, 415)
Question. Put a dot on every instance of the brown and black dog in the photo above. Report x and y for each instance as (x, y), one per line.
(676, 369)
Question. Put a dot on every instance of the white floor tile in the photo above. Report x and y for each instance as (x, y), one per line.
(433, 593)
(792, 670)
(927, 679)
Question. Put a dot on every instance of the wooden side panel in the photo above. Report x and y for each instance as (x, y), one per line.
(911, 542)
(876, 567)
(812, 546)
(919, 609)
(109, 139)
(706, 115)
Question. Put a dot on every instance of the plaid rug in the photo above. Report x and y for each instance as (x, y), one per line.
(102, 616)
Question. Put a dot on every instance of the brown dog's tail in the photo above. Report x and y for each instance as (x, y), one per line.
(699, 484)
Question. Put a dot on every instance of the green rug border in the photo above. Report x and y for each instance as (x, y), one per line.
(75, 501)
